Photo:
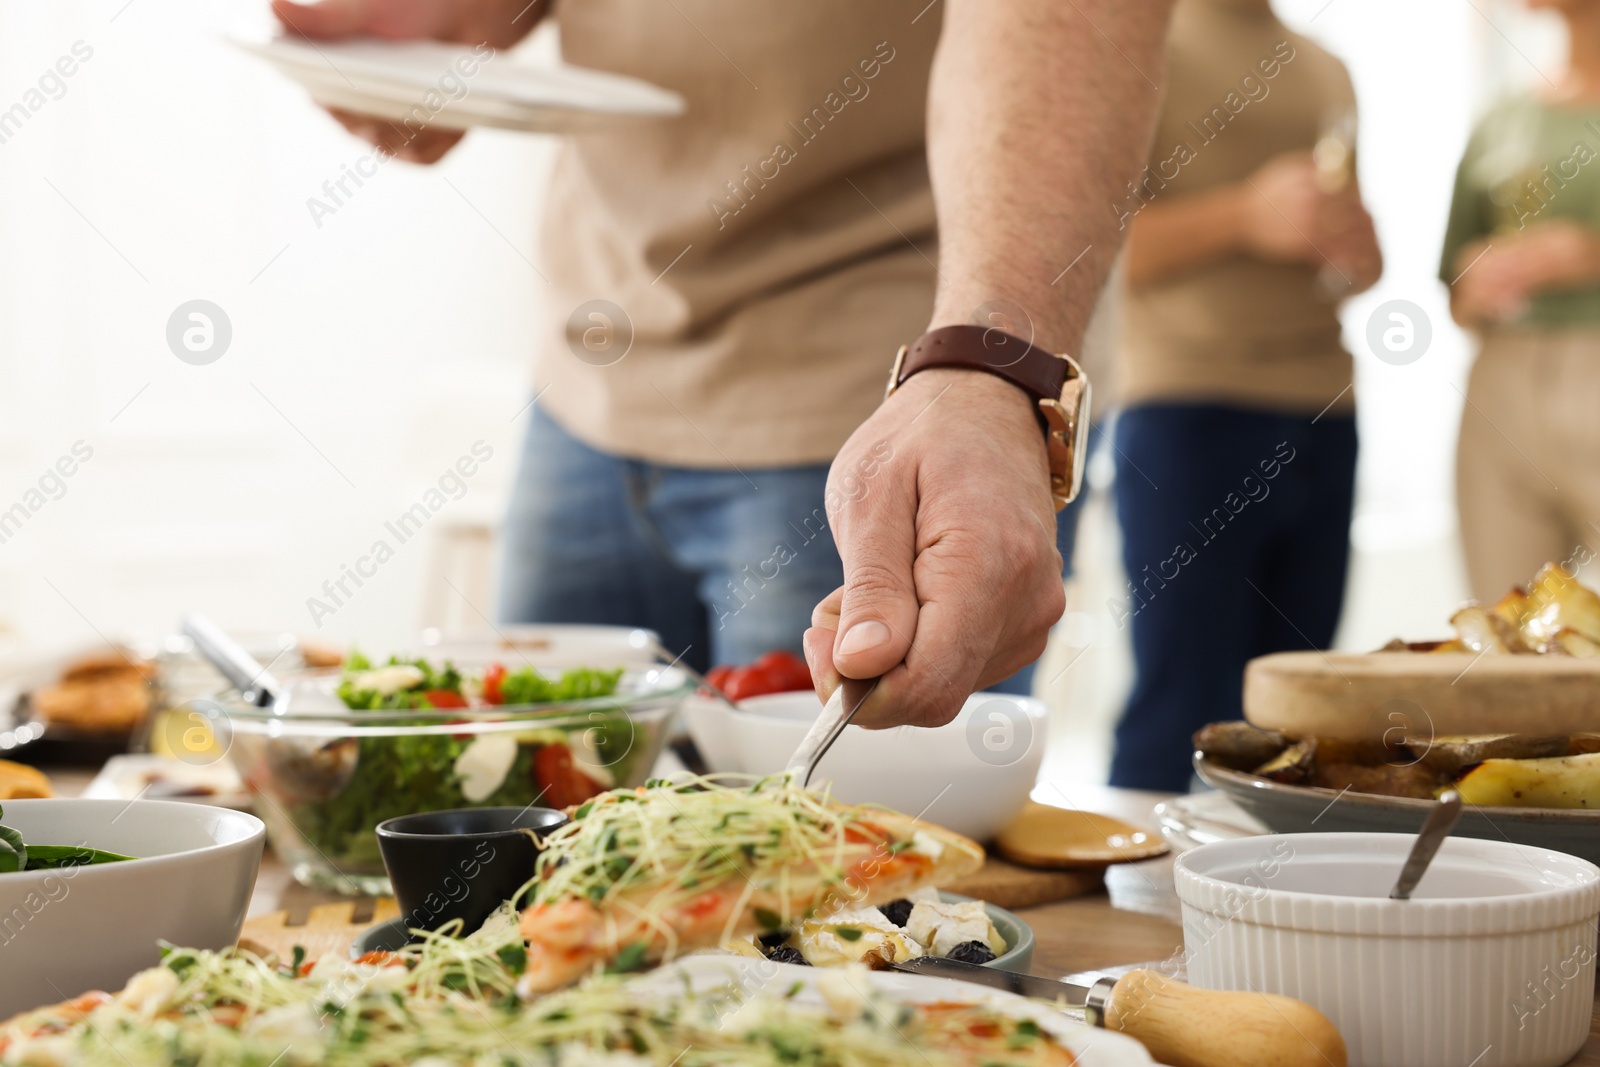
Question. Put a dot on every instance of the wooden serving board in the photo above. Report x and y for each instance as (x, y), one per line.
(327, 930)
(1418, 696)
(1009, 885)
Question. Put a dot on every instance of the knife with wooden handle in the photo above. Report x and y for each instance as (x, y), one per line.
(1179, 1025)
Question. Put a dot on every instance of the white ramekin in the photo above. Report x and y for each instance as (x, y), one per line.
(1490, 964)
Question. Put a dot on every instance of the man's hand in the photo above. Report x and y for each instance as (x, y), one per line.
(500, 23)
(1498, 278)
(941, 508)
(1289, 218)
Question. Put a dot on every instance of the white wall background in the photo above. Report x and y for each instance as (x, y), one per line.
(367, 354)
(372, 351)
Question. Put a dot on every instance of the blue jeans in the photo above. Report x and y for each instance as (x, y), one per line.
(723, 564)
(1235, 537)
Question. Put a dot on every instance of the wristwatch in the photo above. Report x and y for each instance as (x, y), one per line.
(1054, 381)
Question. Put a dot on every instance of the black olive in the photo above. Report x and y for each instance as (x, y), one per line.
(971, 952)
(897, 912)
(773, 939)
(787, 954)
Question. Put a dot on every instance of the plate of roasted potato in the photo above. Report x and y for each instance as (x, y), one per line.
(1533, 790)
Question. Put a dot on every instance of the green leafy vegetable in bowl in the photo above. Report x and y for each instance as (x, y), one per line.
(16, 856)
(424, 737)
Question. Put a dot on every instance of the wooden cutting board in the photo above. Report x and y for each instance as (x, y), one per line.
(1008, 885)
(328, 929)
(1418, 696)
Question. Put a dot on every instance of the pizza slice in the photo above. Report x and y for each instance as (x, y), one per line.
(639, 876)
(449, 1001)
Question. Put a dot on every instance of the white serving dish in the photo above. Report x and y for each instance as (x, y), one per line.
(1201, 818)
(145, 774)
(705, 974)
(972, 775)
(65, 932)
(548, 647)
(1491, 963)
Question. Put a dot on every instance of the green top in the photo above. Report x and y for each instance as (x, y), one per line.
(1526, 163)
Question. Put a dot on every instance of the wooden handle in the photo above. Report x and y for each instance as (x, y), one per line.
(1182, 1026)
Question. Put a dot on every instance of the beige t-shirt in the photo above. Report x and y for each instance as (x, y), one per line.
(1241, 89)
(771, 247)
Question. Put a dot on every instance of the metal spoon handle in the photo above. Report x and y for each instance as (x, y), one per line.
(836, 715)
(1441, 820)
(236, 665)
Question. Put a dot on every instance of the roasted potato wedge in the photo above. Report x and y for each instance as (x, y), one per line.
(1391, 780)
(1481, 630)
(1237, 745)
(1448, 755)
(1513, 607)
(1557, 601)
(1578, 744)
(1561, 782)
(1293, 766)
(1569, 642)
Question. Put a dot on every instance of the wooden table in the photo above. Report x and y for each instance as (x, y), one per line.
(1136, 920)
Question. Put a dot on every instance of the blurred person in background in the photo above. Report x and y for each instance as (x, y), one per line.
(1236, 438)
(763, 256)
(1522, 259)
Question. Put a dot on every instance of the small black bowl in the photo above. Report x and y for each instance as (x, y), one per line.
(461, 864)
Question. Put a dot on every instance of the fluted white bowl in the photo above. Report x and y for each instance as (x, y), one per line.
(1491, 963)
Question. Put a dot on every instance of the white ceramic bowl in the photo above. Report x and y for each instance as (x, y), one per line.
(66, 932)
(551, 646)
(1491, 962)
(971, 775)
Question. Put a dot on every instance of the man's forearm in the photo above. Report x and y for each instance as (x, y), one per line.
(1184, 233)
(1039, 117)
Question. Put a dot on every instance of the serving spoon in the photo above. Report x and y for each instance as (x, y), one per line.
(836, 715)
(1441, 820)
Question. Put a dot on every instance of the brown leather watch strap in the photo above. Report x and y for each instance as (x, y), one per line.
(1054, 384)
(1039, 373)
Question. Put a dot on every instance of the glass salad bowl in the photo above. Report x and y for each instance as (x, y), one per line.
(323, 780)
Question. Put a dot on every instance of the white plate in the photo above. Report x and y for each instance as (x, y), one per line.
(1201, 818)
(706, 974)
(401, 103)
(390, 79)
(166, 778)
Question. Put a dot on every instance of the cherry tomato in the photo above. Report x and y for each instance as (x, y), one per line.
(751, 681)
(491, 684)
(445, 698)
(718, 677)
(789, 670)
(563, 783)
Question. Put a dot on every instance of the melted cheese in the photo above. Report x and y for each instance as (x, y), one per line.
(941, 927)
(822, 943)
